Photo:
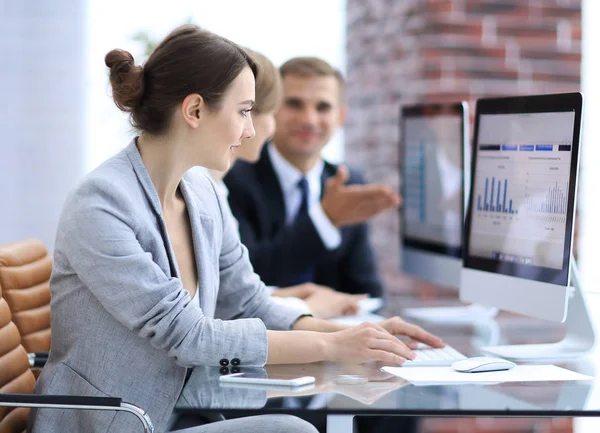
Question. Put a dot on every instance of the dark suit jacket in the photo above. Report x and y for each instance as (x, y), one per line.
(280, 254)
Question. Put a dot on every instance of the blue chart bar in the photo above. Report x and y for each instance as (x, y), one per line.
(416, 178)
(498, 198)
(492, 196)
(496, 191)
(422, 162)
(555, 201)
(485, 205)
(504, 199)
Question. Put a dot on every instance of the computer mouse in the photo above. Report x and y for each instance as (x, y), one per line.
(481, 364)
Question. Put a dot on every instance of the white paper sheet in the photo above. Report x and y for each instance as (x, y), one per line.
(520, 373)
(369, 305)
(451, 315)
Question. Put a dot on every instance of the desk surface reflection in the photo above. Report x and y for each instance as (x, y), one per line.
(387, 394)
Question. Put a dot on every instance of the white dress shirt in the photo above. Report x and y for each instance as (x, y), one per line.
(223, 191)
(289, 176)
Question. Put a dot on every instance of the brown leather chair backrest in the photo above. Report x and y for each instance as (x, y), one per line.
(15, 375)
(25, 269)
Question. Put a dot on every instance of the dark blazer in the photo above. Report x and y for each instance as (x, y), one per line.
(279, 253)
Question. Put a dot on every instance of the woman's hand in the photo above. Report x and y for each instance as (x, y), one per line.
(366, 342)
(323, 301)
(328, 303)
(398, 327)
(301, 291)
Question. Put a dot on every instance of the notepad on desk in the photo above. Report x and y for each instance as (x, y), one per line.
(422, 376)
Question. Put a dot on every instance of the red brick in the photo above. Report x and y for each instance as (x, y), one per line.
(550, 55)
(443, 27)
(439, 7)
(555, 67)
(497, 7)
(492, 74)
(530, 31)
(472, 50)
(553, 11)
(550, 76)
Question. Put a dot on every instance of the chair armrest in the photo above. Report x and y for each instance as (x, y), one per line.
(37, 359)
(60, 400)
(37, 362)
(76, 402)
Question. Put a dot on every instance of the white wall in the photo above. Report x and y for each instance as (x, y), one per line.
(278, 29)
(42, 113)
(57, 119)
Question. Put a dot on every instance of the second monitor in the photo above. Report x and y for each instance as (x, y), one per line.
(519, 225)
(434, 152)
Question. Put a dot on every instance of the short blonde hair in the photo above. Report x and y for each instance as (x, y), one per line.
(268, 84)
(312, 67)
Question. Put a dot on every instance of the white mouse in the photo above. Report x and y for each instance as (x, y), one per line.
(481, 364)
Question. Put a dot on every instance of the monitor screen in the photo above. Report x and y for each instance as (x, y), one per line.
(523, 191)
(432, 143)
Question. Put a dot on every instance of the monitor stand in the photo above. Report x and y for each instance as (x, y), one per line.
(579, 340)
(460, 315)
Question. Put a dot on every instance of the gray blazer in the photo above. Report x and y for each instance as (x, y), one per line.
(122, 323)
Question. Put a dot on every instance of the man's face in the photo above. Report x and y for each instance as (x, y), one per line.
(309, 115)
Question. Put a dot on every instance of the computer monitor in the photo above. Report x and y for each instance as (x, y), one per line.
(519, 223)
(433, 151)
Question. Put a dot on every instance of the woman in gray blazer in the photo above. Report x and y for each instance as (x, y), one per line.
(147, 255)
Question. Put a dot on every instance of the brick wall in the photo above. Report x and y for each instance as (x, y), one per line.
(407, 51)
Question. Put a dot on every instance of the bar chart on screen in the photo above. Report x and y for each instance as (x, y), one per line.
(549, 202)
(522, 190)
(491, 205)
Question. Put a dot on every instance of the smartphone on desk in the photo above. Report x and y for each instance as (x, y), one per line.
(276, 380)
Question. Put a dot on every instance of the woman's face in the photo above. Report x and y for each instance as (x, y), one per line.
(264, 125)
(223, 130)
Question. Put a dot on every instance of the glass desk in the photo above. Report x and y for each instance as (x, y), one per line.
(390, 395)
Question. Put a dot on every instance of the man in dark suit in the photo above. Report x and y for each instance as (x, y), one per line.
(302, 218)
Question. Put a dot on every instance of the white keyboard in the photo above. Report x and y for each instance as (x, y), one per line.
(430, 357)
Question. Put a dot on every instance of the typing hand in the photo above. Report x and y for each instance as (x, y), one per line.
(397, 326)
(366, 342)
(353, 204)
(325, 303)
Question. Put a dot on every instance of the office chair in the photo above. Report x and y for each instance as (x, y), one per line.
(17, 382)
(25, 269)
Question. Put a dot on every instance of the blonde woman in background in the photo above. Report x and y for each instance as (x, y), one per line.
(321, 301)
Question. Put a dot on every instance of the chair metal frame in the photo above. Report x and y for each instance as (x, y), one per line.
(79, 403)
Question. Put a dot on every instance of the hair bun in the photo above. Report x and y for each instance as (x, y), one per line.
(118, 58)
(126, 79)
